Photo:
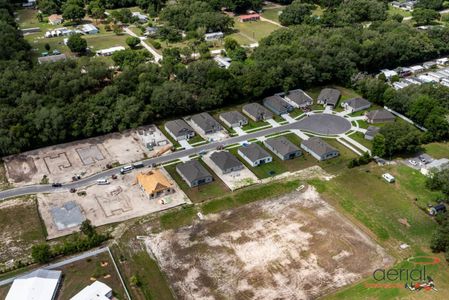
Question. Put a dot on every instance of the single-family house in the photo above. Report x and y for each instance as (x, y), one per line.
(141, 18)
(356, 104)
(371, 132)
(109, 51)
(429, 64)
(319, 148)
(249, 18)
(96, 291)
(226, 162)
(213, 36)
(55, 19)
(89, 29)
(223, 62)
(194, 173)
(329, 97)
(257, 112)
(51, 58)
(379, 116)
(39, 284)
(233, 119)
(254, 154)
(282, 147)
(417, 69)
(151, 31)
(206, 123)
(154, 184)
(299, 98)
(389, 73)
(179, 130)
(277, 105)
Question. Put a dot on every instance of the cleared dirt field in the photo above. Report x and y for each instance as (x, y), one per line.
(293, 247)
(121, 200)
(20, 229)
(61, 162)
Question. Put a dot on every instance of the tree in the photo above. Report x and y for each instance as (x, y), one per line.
(439, 181)
(47, 46)
(41, 253)
(430, 4)
(424, 16)
(135, 281)
(130, 58)
(73, 12)
(132, 41)
(77, 44)
(379, 145)
(295, 13)
(399, 138)
(87, 228)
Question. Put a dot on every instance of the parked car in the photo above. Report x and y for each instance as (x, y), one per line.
(126, 169)
(102, 182)
(423, 159)
(413, 162)
(56, 185)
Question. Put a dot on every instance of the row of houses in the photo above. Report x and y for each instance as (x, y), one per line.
(195, 174)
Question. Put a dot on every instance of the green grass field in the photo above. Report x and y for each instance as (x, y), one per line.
(360, 137)
(396, 11)
(437, 150)
(254, 31)
(272, 13)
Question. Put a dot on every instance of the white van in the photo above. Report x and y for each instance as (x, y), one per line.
(102, 182)
(388, 177)
(126, 169)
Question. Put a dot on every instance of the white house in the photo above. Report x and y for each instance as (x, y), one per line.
(38, 285)
(109, 51)
(96, 291)
(89, 29)
(389, 73)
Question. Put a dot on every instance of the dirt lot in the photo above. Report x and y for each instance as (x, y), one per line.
(121, 200)
(293, 247)
(61, 162)
(20, 229)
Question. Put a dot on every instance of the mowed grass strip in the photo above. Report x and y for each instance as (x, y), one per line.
(438, 150)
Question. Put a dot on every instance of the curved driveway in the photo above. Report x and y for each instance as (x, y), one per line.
(46, 188)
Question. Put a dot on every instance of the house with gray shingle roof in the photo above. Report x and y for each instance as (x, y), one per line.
(255, 155)
(51, 58)
(371, 132)
(379, 116)
(329, 97)
(277, 104)
(179, 129)
(206, 123)
(319, 148)
(299, 98)
(194, 173)
(233, 119)
(282, 147)
(226, 162)
(356, 104)
(257, 112)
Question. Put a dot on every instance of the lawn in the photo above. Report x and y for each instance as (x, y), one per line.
(105, 40)
(253, 124)
(272, 13)
(254, 31)
(296, 112)
(168, 136)
(241, 39)
(196, 139)
(360, 137)
(396, 11)
(78, 275)
(337, 164)
(437, 150)
(203, 192)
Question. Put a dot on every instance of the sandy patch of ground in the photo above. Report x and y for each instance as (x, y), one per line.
(293, 247)
(121, 200)
(86, 157)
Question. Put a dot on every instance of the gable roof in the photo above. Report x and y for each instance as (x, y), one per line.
(192, 170)
(372, 131)
(55, 17)
(178, 127)
(206, 122)
(299, 97)
(318, 146)
(282, 145)
(225, 160)
(255, 110)
(51, 58)
(380, 114)
(276, 102)
(233, 117)
(357, 103)
(153, 181)
(329, 96)
(38, 285)
(254, 152)
(96, 291)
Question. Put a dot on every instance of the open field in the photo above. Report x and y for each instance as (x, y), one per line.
(85, 157)
(254, 31)
(437, 150)
(360, 137)
(296, 256)
(272, 13)
(21, 227)
(78, 275)
(121, 200)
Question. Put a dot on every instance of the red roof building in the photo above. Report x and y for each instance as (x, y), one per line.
(249, 18)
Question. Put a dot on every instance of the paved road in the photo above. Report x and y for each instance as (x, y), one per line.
(156, 55)
(33, 189)
(61, 263)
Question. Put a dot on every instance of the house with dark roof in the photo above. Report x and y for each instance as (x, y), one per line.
(329, 97)
(299, 98)
(179, 129)
(206, 123)
(277, 104)
(282, 147)
(356, 104)
(319, 148)
(194, 173)
(226, 162)
(255, 155)
(233, 119)
(379, 116)
(371, 132)
(257, 112)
